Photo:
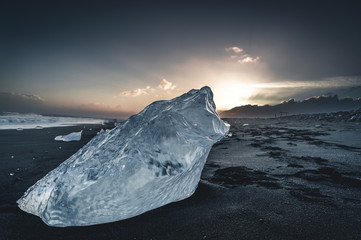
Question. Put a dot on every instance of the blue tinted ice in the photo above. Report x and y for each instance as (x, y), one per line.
(74, 136)
(154, 158)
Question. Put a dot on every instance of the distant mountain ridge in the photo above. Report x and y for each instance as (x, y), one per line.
(321, 104)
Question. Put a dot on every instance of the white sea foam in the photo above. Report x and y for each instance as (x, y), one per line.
(36, 121)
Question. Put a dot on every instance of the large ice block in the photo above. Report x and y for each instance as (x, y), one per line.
(154, 158)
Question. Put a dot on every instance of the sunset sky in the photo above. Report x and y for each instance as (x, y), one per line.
(110, 58)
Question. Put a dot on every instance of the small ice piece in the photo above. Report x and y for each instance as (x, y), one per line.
(38, 127)
(154, 158)
(74, 136)
(230, 134)
(11, 174)
(12, 157)
(245, 124)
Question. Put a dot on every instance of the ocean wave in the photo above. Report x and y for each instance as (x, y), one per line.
(11, 120)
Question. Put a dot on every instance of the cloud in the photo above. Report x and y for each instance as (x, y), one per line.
(165, 85)
(21, 97)
(249, 59)
(20, 102)
(240, 56)
(234, 49)
(136, 92)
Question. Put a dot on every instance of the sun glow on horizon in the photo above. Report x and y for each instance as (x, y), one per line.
(233, 95)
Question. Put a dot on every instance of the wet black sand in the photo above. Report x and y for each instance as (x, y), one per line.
(283, 178)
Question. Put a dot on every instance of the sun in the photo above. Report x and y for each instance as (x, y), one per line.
(232, 95)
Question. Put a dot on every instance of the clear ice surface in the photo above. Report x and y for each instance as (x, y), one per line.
(154, 158)
(74, 136)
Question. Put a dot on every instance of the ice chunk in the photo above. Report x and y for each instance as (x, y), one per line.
(154, 158)
(74, 136)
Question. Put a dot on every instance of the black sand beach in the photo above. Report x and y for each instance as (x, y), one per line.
(295, 177)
